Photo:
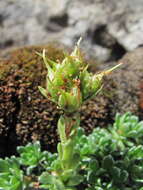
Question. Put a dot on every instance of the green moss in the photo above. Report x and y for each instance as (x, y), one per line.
(26, 62)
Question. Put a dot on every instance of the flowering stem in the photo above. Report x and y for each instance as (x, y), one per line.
(69, 85)
(67, 128)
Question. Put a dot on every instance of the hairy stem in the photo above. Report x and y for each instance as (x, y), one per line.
(67, 128)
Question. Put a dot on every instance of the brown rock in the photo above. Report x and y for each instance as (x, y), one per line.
(129, 84)
(123, 91)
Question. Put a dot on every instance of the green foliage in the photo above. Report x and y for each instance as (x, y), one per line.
(128, 127)
(101, 162)
(20, 173)
(31, 154)
(113, 161)
(11, 176)
(31, 157)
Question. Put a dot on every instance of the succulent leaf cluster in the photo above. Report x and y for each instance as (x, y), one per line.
(128, 127)
(11, 176)
(103, 164)
(113, 161)
(21, 173)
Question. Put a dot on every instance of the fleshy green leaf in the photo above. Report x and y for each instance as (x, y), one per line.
(108, 162)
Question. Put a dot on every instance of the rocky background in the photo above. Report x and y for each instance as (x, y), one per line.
(109, 28)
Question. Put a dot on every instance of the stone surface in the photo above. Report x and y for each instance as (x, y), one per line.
(109, 28)
(129, 84)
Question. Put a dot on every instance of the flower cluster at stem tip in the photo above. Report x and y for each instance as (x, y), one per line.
(68, 83)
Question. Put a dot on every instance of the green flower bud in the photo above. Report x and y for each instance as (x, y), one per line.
(71, 67)
(69, 83)
(98, 78)
(92, 84)
(70, 101)
(86, 83)
(52, 90)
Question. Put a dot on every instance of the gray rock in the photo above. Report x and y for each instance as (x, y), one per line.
(109, 28)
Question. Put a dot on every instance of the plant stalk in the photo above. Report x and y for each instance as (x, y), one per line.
(67, 128)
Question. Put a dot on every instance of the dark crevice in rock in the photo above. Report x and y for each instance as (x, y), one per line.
(56, 23)
(117, 52)
(12, 139)
(100, 36)
(6, 44)
(60, 20)
(1, 19)
(97, 35)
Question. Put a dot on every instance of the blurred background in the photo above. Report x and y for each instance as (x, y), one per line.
(109, 28)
